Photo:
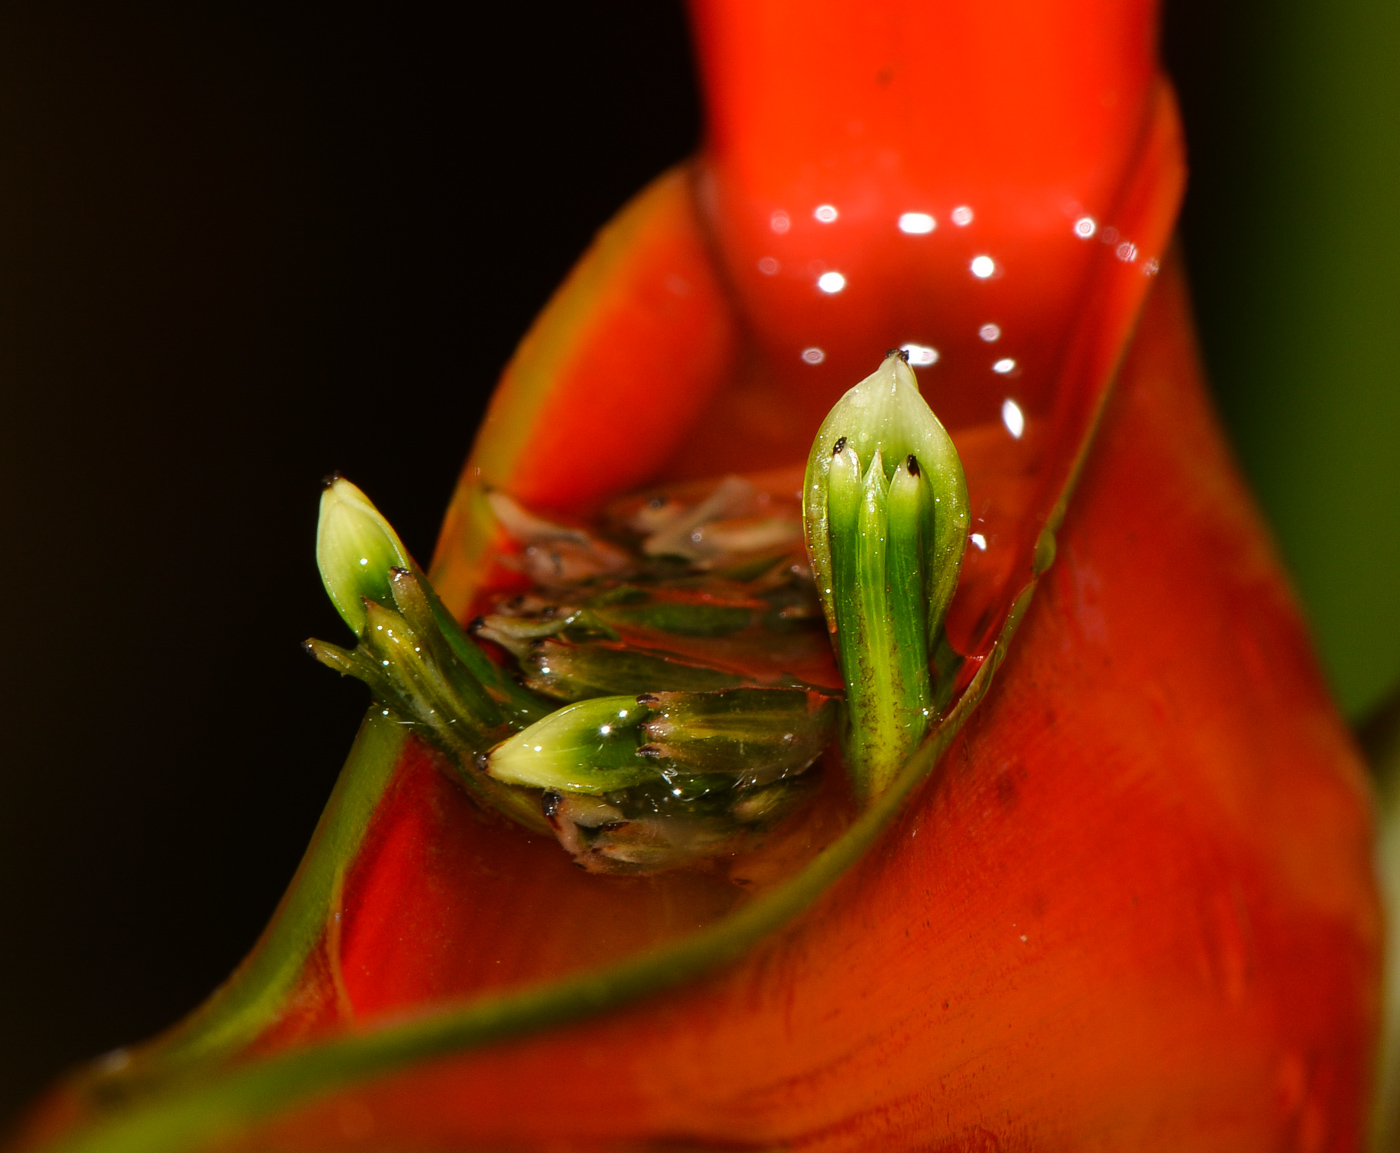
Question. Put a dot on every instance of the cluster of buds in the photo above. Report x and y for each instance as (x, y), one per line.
(613, 732)
(648, 705)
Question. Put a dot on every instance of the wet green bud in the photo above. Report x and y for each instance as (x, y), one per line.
(356, 551)
(576, 671)
(741, 738)
(886, 412)
(636, 784)
(590, 747)
(626, 785)
(571, 656)
(414, 673)
(761, 735)
(361, 558)
(885, 509)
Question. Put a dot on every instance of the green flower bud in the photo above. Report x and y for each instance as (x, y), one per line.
(761, 735)
(356, 551)
(575, 671)
(636, 784)
(571, 655)
(360, 556)
(885, 511)
(590, 747)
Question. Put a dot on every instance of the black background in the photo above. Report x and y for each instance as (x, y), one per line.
(238, 249)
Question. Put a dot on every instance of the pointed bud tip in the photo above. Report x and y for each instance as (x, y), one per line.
(357, 550)
(330, 478)
(903, 354)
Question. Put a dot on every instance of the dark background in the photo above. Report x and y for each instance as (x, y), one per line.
(240, 248)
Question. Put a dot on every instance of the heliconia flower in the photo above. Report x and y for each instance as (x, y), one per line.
(1120, 896)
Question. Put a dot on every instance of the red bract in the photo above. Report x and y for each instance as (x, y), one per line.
(1130, 907)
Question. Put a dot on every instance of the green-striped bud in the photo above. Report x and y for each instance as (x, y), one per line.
(751, 736)
(885, 511)
(560, 663)
(762, 735)
(662, 779)
(588, 747)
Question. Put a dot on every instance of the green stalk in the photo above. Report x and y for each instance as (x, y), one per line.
(253, 998)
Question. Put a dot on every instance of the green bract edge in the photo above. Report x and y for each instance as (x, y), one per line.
(249, 1001)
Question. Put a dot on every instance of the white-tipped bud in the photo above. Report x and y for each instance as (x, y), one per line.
(588, 747)
(356, 551)
(885, 512)
(886, 412)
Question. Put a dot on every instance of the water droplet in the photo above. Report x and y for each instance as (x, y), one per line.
(1013, 418)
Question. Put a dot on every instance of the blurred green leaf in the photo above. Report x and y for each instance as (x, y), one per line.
(1293, 238)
